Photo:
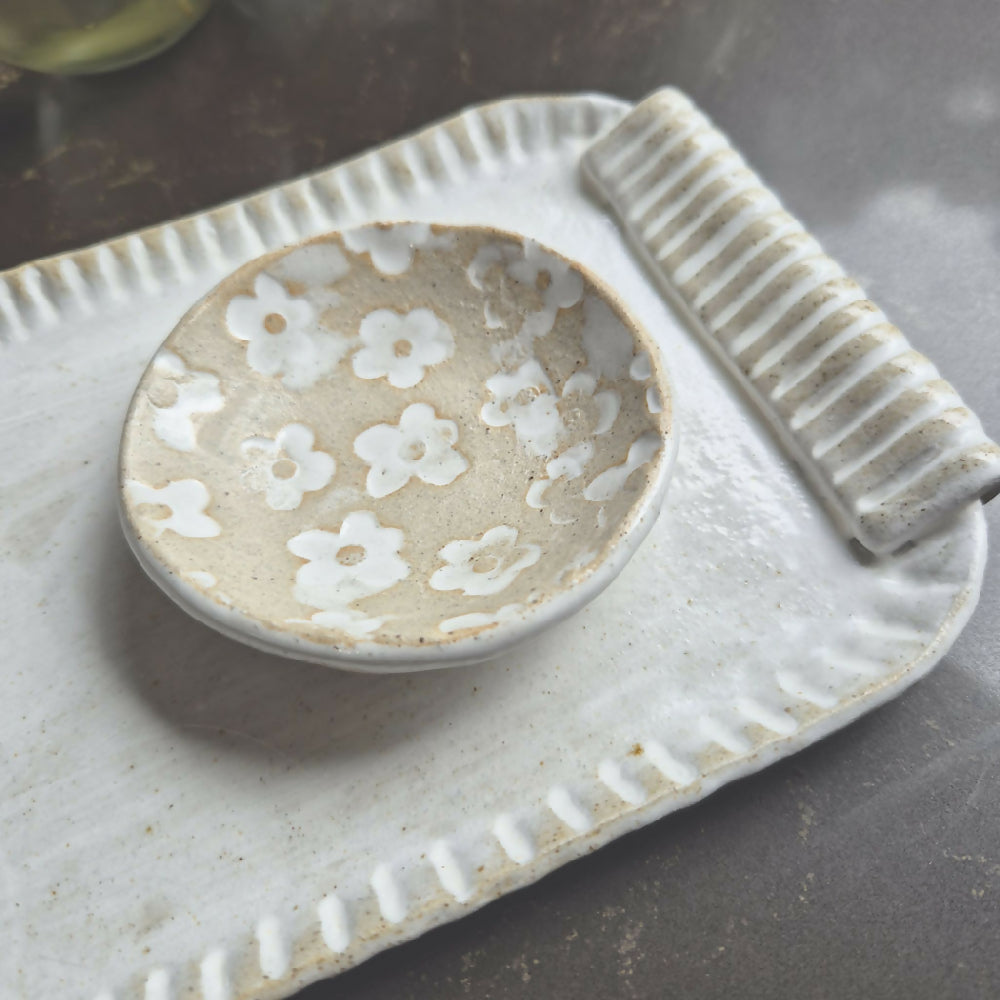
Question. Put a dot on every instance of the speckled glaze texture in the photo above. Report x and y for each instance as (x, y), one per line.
(887, 442)
(187, 817)
(402, 446)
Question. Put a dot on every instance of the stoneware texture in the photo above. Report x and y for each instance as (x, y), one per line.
(885, 440)
(403, 446)
(188, 817)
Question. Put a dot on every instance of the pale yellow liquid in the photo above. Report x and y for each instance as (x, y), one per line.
(88, 36)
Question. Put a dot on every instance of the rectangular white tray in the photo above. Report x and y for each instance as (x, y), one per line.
(185, 817)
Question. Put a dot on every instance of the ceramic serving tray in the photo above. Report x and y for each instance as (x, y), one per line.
(183, 816)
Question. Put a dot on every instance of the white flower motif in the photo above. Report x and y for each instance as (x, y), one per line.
(354, 623)
(343, 566)
(584, 409)
(282, 336)
(606, 341)
(316, 266)
(176, 396)
(481, 619)
(286, 466)
(485, 565)
(567, 466)
(530, 267)
(525, 398)
(641, 368)
(571, 463)
(586, 412)
(420, 445)
(392, 247)
(400, 348)
(179, 507)
(612, 481)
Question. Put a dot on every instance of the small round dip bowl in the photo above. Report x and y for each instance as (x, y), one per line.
(396, 447)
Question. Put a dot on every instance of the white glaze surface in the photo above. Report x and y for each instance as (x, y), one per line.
(231, 818)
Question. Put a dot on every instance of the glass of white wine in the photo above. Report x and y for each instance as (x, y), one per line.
(90, 36)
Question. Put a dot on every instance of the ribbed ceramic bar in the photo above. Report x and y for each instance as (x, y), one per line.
(885, 441)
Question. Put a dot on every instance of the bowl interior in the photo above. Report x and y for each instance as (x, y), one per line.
(395, 438)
